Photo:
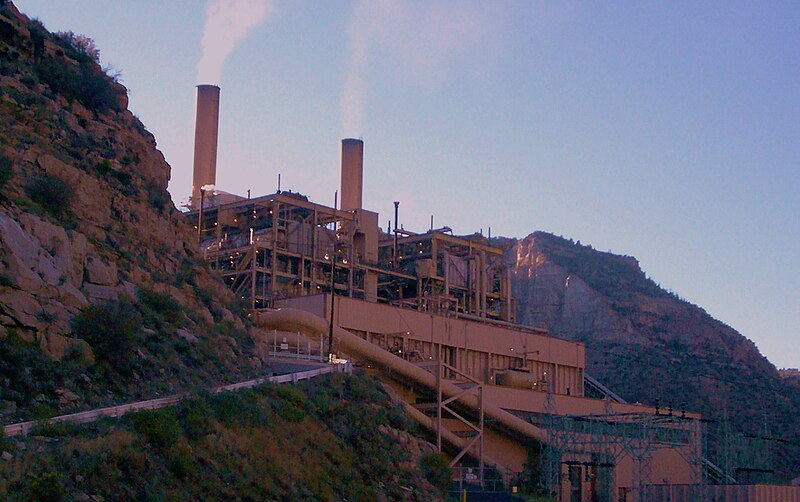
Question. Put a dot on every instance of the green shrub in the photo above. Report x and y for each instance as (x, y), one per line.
(435, 469)
(25, 372)
(186, 274)
(123, 177)
(195, 418)
(5, 171)
(160, 427)
(205, 295)
(103, 167)
(54, 429)
(45, 316)
(531, 480)
(79, 46)
(240, 408)
(52, 193)
(180, 461)
(158, 198)
(162, 305)
(290, 403)
(112, 330)
(8, 33)
(86, 83)
(48, 488)
(41, 411)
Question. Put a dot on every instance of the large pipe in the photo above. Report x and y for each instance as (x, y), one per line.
(448, 436)
(206, 131)
(352, 173)
(312, 325)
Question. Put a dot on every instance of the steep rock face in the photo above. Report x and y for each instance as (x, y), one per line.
(646, 343)
(85, 219)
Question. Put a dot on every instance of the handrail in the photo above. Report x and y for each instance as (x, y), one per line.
(23, 428)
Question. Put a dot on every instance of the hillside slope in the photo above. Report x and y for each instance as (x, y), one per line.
(650, 346)
(103, 297)
(291, 442)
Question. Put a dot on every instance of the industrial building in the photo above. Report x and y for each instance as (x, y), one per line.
(432, 314)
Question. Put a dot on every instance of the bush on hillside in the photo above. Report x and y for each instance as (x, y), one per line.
(435, 469)
(159, 427)
(81, 45)
(112, 330)
(162, 306)
(52, 193)
(5, 172)
(48, 488)
(85, 82)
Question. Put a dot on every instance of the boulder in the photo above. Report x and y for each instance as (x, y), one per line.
(100, 294)
(98, 272)
(21, 306)
(57, 346)
(186, 335)
(72, 296)
(17, 242)
(22, 276)
(66, 397)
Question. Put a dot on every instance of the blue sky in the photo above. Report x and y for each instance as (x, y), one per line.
(667, 131)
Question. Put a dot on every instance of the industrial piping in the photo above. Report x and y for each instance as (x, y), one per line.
(206, 132)
(287, 319)
(447, 436)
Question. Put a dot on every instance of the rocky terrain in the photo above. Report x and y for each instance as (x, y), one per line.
(102, 295)
(650, 346)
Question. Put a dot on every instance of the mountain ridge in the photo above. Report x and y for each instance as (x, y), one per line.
(648, 344)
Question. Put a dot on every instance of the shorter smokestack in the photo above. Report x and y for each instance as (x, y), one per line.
(352, 173)
(206, 131)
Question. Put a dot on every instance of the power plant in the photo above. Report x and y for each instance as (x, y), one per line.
(432, 315)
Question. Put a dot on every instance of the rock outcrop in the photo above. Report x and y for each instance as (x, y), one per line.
(85, 220)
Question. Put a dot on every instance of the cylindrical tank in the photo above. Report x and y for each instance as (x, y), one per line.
(352, 173)
(206, 131)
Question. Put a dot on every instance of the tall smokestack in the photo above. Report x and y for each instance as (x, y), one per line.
(352, 173)
(205, 140)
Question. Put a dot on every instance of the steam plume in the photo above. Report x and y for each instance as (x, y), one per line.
(352, 103)
(227, 23)
(424, 40)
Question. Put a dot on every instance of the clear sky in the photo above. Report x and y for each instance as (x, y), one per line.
(667, 131)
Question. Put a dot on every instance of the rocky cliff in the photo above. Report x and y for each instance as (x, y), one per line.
(102, 294)
(648, 345)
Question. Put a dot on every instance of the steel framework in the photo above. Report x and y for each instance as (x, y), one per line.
(598, 443)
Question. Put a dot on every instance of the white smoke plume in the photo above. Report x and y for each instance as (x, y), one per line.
(227, 23)
(423, 38)
(359, 36)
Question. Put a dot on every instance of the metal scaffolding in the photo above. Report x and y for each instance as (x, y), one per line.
(593, 445)
(282, 245)
(444, 408)
(747, 458)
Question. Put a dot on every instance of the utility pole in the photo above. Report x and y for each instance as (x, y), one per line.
(333, 295)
